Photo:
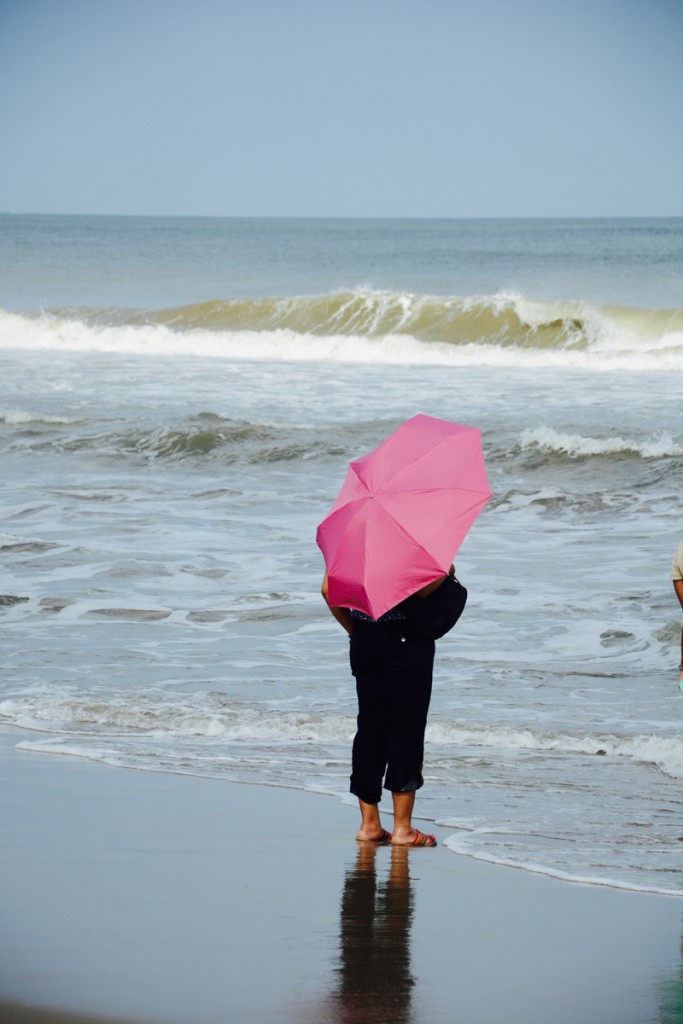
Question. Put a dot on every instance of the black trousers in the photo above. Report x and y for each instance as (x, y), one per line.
(393, 666)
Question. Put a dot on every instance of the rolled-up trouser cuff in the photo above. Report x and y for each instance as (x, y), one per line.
(368, 796)
(397, 782)
(374, 796)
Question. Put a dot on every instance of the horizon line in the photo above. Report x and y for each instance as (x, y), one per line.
(356, 217)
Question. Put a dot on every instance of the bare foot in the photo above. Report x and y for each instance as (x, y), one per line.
(373, 836)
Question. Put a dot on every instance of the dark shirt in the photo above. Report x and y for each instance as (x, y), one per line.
(393, 615)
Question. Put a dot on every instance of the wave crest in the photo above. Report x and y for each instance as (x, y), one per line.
(503, 319)
(576, 446)
(365, 325)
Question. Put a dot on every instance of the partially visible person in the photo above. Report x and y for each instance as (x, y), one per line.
(677, 577)
(392, 663)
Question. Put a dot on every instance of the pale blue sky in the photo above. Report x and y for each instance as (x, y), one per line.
(455, 108)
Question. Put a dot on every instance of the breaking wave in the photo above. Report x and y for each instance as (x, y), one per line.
(576, 446)
(366, 325)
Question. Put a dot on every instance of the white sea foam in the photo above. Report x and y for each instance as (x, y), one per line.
(218, 719)
(666, 752)
(171, 719)
(20, 417)
(466, 846)
(576, 445)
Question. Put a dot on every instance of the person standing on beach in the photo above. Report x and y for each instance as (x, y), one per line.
(392, 663)
(677, 577)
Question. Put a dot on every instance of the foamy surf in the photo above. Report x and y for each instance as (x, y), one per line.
(214, 717)
(464, 844)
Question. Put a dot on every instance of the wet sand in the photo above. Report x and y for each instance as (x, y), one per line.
(138, 896)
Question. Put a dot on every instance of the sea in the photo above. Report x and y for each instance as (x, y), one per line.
(179, 400)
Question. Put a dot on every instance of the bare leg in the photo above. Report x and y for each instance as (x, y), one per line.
(678, 588)
(403, 811)
(371, 825)
(404, 833)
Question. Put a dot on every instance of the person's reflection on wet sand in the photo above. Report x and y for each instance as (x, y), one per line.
(375, 980)
(671, 1009)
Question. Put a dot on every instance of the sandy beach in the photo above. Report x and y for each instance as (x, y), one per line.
(142, 896)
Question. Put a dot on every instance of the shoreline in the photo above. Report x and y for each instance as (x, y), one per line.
(448, 840)
(145, 896)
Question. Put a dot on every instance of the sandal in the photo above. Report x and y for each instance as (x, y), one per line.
(422, 840)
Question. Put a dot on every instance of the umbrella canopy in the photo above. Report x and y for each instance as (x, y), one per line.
(402, 513)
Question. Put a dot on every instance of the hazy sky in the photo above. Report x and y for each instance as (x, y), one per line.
(453, 108)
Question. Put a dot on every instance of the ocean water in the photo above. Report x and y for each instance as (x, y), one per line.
(178, 403)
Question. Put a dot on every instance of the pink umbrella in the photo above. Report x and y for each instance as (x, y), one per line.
(402, 513)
